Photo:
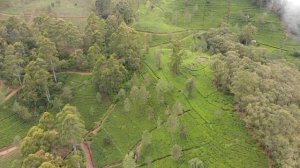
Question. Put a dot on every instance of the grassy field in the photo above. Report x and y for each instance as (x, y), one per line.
(75, 11)
(215, 133)
(11, 125)
(84, 98)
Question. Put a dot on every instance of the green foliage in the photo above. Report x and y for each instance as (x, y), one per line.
(78, 60)
(109, 75)
(176, 152)
(41, 159)
(176, 59)
(21, 111)
(162, 89)
(94, 53)
(99, 97)
(95, 31)
(69, 125)
(146, 139)
(248, 34)
(138, 97)
(124, 11)
(125, 43)
(173, 123)
(267, 91)
(36, 84)
(51, 132)
(104, 8)
(14, 63)
(127, 105)
(15, 30)
(121, 95)
(220, 40)
(190, 86)
(196, 163)
(47, 52)
(64, 34)
(128, 161)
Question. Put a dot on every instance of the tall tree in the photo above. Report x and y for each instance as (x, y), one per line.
(125, 43)
(190, 86)
(109, 74)
(124, 10)
(78, 60)
(128, 161)
(104, 8)
(70, 127)
(64, 34)
(176, 58)
(95, 31)
(94, 53)
(248, 34)
(14, 63)
(47, 51)
(36, 83)
(176, 152)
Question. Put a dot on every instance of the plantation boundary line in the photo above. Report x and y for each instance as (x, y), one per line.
(99, 126)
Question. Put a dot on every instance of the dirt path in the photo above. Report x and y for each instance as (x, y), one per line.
(78, 72)
(85, 147)
(7, 150)
(88, 154)
(11, 93)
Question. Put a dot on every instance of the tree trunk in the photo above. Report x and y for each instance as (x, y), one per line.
(54, 74)
(47, 93)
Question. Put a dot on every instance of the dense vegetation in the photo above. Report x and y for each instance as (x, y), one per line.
(155, 90)
(266, 92)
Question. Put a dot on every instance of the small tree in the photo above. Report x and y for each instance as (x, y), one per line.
(146, 139)
(99, 97)
(128, 161)
(196, 163)
(177, 108)
(176, 58)
(121, 95)
(248, 34)
(190, 86)
(22, 111)
(162, 88)
(172, 123)
(176, 152)
(127, 105)
(109, 75)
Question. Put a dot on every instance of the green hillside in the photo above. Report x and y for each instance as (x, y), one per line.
(209, 128)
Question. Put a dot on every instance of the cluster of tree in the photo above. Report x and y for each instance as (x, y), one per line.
(266, 91)
(30, 56)
(53, 141)
(124, 48)
(64, 34)
(123, 10)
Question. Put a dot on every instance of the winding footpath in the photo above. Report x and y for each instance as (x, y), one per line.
(88, 154)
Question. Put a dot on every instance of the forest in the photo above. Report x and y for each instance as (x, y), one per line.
(148, 83)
